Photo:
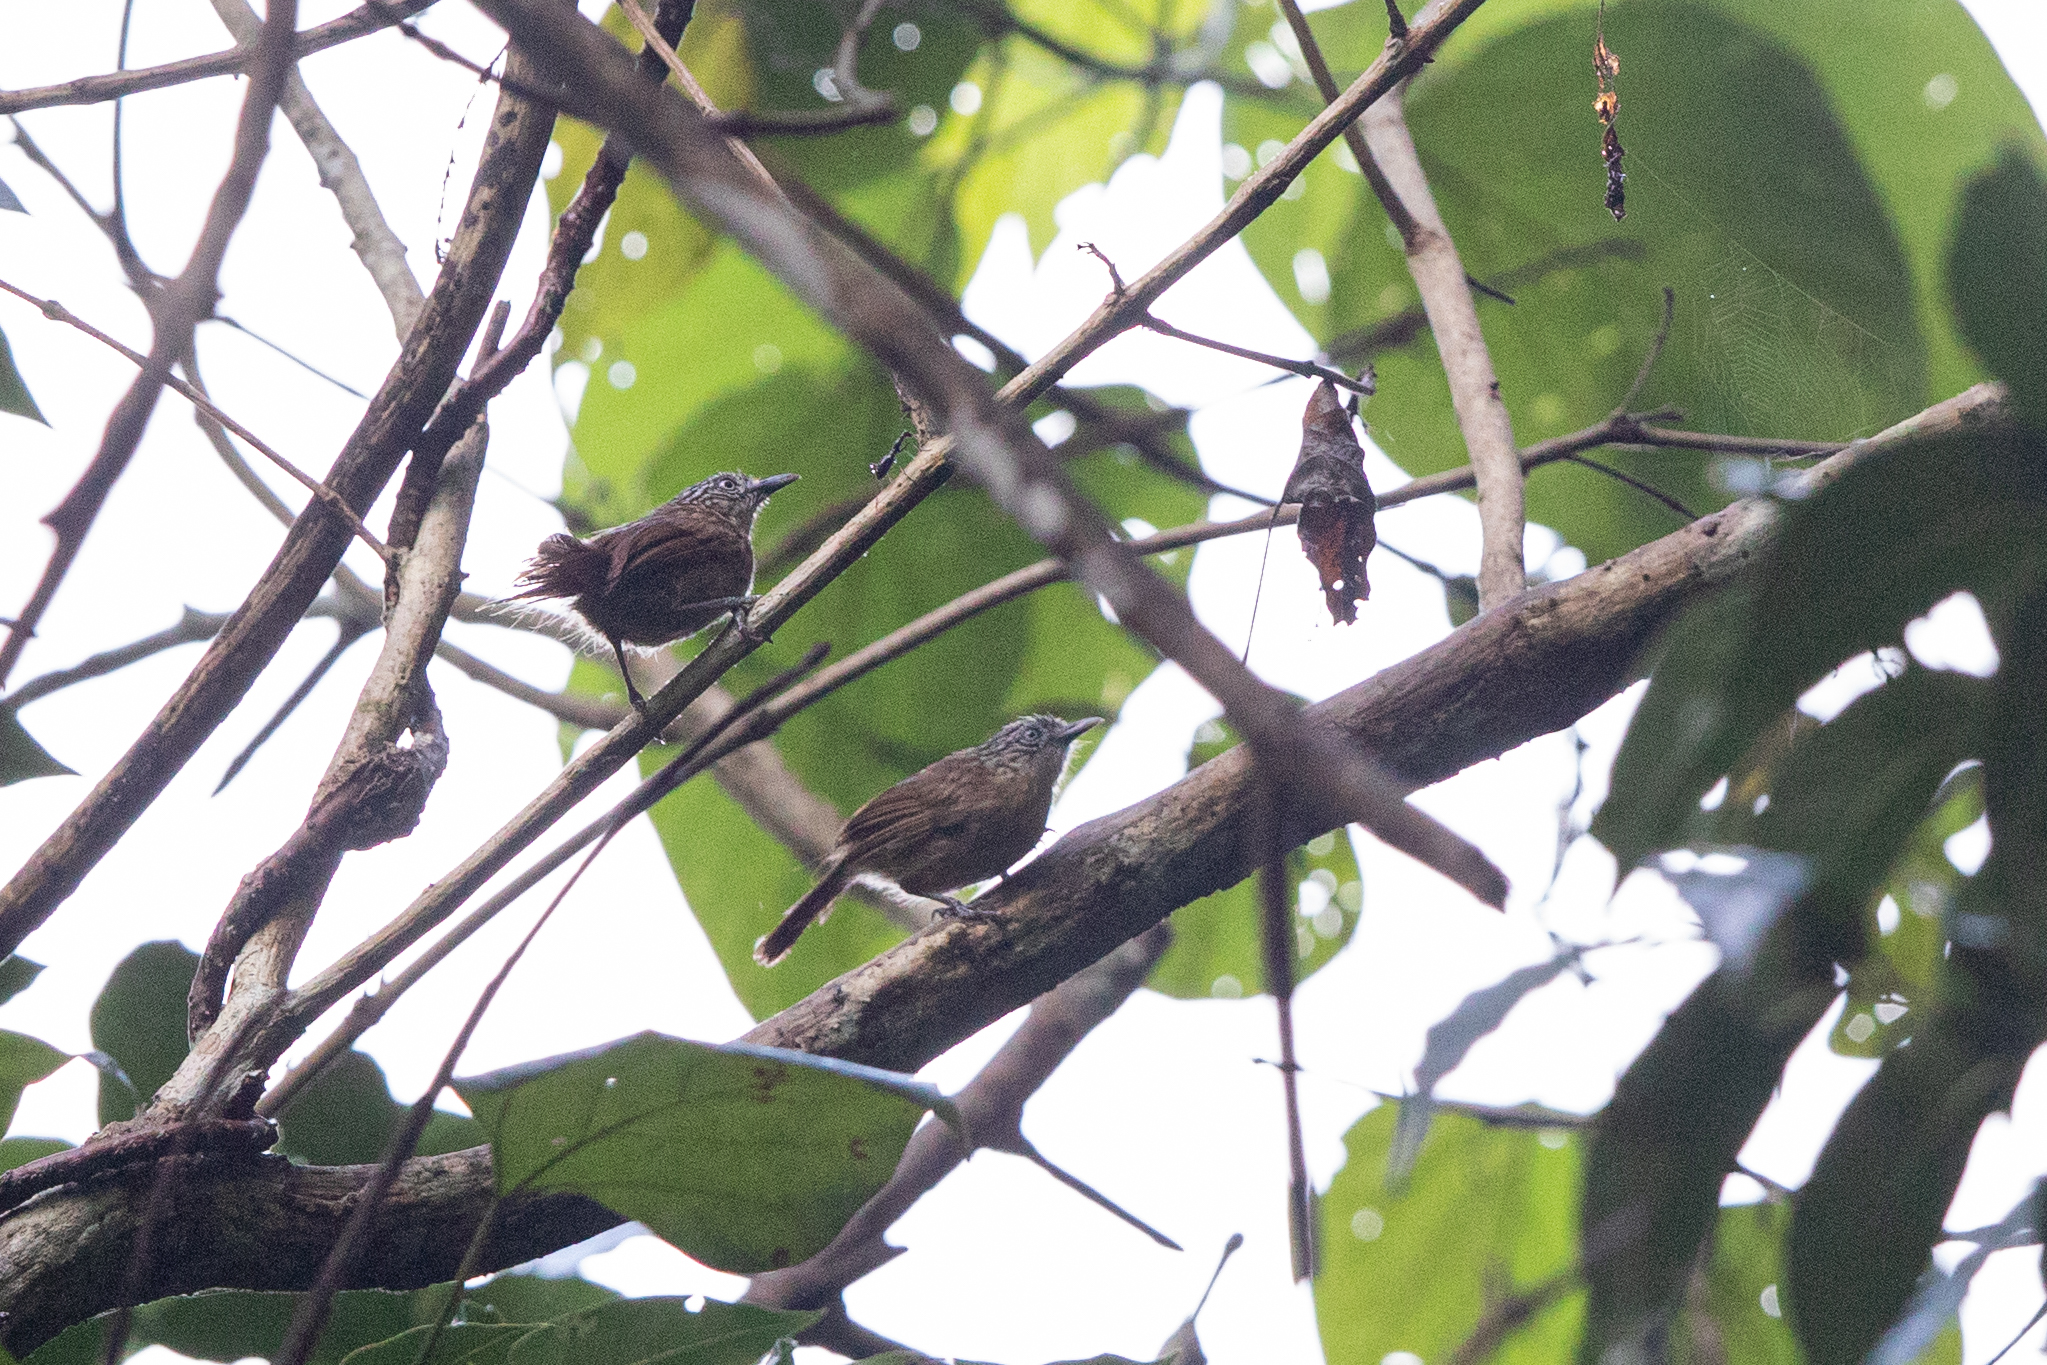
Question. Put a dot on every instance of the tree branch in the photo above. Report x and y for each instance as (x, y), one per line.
(991, 442)
(1474, 389)
(176, 311)
(355, 24)
(497, 201)
(992, 1104)
(382, 254)
(1533, 667)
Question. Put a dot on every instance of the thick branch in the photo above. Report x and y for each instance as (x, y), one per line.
(115, 84)
(1535, 666)
(1474, 389)
(992, 443)
(490, 220)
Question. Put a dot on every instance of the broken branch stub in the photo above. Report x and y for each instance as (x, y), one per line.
(1337, 505)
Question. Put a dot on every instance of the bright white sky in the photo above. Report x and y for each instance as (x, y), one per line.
(1163, 1107)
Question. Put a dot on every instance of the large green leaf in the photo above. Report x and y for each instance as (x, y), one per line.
(139, 1021)
(1807, 267)
(21, 758)
(1849, 567)
(1216, 940)
(1864, 1226)
(1488, 1211)
(747, 1158)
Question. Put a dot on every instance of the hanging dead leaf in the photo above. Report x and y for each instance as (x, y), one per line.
(1337, 504)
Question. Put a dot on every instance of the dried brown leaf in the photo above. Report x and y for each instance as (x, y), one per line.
(1337, 504)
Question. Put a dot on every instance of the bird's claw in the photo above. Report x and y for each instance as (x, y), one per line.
(742, 620)
(952, 907)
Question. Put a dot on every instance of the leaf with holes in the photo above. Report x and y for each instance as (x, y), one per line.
(747, 1158)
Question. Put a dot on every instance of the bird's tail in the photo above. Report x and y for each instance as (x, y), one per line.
(776, 943)
(562, 567)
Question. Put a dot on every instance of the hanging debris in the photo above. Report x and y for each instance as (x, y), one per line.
(1337, 504)
(1607, 67)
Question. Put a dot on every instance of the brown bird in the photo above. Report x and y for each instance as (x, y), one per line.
(962, 820)
(664, 577)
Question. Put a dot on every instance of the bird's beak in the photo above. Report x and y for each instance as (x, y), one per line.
(760, 488)
(1069, 733)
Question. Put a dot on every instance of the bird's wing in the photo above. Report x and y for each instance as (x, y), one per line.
(915, 808)
(671, 546)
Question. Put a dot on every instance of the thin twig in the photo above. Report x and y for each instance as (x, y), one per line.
(1639, 485)
(1277, 938)
(308, 366)
(1655, 352)
(333, 501)
(372, 239)
(357, 23)
(194, 627)
(1353, 137)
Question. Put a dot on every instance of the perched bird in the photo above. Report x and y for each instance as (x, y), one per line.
(664, 577)
(966, 818)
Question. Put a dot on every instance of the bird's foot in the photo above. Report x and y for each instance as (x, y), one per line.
(952, 907)
(742, 620)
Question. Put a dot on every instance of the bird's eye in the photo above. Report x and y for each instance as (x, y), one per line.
(1033, 734)
(726, 481)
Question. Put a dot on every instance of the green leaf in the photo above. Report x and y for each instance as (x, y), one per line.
(1488, 1211)
(19, 1151)
(459, 1344)
(347, 1117)
(230, 1325)
(23, 1062)
(641, 1331)
(139, 1021)
(14, 394)
(21, 758)
(1850, 566)
(1677, 1120)
(1216, 940)
(1903, 971)
(1997, 273)
(747, 1158)
(1865, 1225)
(17, 974)
(1738, 1300)
(739, 879)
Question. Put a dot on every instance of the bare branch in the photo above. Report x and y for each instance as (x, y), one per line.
(1453, 319)
(992, 1104)
(382, 254)
(991, 442)
(509, 166)
(57, 312)
(355, 24)
(180, 306)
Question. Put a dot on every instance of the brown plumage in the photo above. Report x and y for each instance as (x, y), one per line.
(664, 577)
(964, 819)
